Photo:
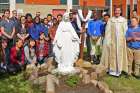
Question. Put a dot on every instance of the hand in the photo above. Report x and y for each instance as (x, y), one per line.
(47, 38)
(136, 39)
(23, 39)
(10, 37)
(130, 39)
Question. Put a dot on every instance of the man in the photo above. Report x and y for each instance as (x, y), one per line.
(8, 31)
(133, 43)
(7, 26)
(95, 33)
(84, 16)
(38, 14)
(74, 23)
(115, 58)
(59, 18)
(49, 18)
(16, 21)
(105, 20)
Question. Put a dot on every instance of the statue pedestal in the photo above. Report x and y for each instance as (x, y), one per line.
(65, 71)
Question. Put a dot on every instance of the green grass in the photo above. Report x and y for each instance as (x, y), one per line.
(16, 84)
(123, 84)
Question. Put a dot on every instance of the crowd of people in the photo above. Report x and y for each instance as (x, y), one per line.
(113, 42)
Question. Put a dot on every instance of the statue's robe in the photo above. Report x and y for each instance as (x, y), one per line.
(66, 47)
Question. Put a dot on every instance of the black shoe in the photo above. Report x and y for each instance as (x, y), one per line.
(96, 59)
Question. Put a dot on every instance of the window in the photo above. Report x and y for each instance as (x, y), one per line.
(64, 2)
(4, 1)
(75, 2)
(107, 2)
(19, 1)
(4, 4)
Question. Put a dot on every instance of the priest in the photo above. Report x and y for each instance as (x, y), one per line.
(114, 55)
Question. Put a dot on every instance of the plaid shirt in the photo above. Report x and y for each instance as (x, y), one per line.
(45, 49)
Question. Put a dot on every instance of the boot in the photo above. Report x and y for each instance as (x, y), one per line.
(94, 59)
(98, 60)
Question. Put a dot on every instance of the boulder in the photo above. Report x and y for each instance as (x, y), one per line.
(103, 86)
(50, 84)
(94, 82)
(86, 78)
(93, 76)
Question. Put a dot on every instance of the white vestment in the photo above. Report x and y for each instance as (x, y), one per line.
(66, 47)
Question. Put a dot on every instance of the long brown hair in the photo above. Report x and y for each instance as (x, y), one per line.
(1, 50)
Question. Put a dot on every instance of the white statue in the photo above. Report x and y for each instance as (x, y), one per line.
(66, 46)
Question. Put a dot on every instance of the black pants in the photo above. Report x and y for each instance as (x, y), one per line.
(13, 68)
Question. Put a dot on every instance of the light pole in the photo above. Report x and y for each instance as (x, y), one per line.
(69, 5)
(111, 8)
(12, 5)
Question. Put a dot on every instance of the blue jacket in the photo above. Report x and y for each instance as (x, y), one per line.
(95, 28)
(36, 29)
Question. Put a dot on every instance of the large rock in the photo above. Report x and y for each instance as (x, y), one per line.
(100, 71)
(40, 80)
(86, 79)
(50, 84)
(93, 76)
(31, 72)
(103, 87)
(82, 63)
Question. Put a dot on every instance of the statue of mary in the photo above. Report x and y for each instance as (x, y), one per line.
(66, 46)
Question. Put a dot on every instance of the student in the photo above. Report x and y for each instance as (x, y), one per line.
(30, 53)
(8, 31)
(3, 62)
(17, 57)
(49, 18)
(8, 27)
(105, 20)
(15, 19)
(52, 29)
(133, 44)
(42, 49)
(22, 30)
(59, 18)
(29, 20)
(95, 33)
(45, 22)
(36, 28)
(74, 23)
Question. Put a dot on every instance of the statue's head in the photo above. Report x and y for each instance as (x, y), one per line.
(66, 17)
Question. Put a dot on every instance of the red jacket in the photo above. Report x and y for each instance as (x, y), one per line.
(13, 56)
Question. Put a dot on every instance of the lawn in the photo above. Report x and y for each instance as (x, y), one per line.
(16, 84)
(123, 84)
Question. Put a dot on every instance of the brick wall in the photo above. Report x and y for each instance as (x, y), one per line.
(99, 3)
(43, 2)
(44, 9)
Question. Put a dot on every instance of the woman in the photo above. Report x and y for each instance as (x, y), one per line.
(22, 30)
(29, 50)
(36, 28)
(3, 61)
(29, 20)
(42, 49)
